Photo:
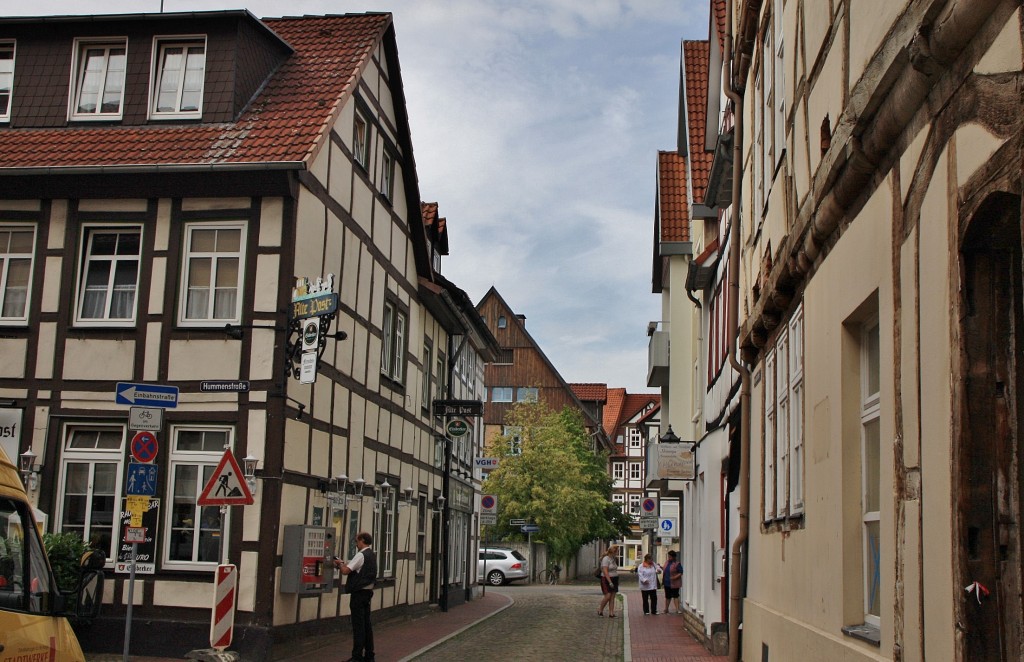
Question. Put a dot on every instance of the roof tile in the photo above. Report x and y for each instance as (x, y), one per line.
(696, 60)
(673, 208)
(284, 123)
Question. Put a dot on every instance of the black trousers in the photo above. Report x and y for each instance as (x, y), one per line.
(650, 599)
(362, 629)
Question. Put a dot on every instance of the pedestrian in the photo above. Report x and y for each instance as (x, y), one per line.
(673, 582)
(362, 573)
(609, 580)
(647, 572)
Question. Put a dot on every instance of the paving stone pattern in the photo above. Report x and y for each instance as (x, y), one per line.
(545, 623)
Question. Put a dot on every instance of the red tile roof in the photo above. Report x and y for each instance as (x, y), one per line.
(590, 392)
(696, 61)
(672, 204)
(719, 9)
(285, 123)
(622, 407)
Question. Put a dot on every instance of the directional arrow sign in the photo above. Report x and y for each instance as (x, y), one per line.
(147, 395)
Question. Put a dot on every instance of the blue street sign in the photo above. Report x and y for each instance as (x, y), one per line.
(141, 479)
(529, 528)
(147, 395)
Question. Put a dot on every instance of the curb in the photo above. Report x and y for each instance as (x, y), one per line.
(627, 645)
(421, 651)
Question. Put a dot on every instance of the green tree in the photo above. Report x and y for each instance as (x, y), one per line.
(557, 481)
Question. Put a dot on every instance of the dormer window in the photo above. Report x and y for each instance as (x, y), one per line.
(6, 79)
(178, 77)
(98, 86)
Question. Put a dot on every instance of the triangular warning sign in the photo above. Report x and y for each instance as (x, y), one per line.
(226, 486)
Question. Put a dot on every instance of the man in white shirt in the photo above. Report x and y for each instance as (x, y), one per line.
(362, 573)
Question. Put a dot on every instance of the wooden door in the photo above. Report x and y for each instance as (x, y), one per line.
(989, 488)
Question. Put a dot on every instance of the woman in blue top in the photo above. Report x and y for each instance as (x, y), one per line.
(673, 582)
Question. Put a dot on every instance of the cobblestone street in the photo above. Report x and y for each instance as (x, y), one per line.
(545, 623)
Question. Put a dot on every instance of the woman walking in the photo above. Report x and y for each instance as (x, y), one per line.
(609, 580)
(647, 573)
(673, 582)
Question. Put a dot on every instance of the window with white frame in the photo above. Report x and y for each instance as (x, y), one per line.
(178, 78)
(98, 84)
(6, 79)
(796, 410)
(212, 273)
(387, 176)
(501, 394)
(526, 394)
(618, 470)
(635, 437)
(421, 534)
(193, 539)
(634, 504)
(17, 248)
(109, 278)
(385, 506)
(91, 467)
(620, 500)
(361, 140)
(392, 353)
(428, 361)
(783, 441)
(780, 86)
(870, 423)
(515, 438)
(636, 470)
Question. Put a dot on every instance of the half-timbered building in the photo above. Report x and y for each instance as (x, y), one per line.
(178, 192)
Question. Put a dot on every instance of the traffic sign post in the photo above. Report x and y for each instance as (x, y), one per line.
(648, 521)
(226, 486)
(146, 395)
(529, 528)
(141, 479)
(146, 418)
(144, 447)
(489, 504)
(222, 624)
(667, 527)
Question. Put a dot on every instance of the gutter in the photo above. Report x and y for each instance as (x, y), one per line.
(737, 575)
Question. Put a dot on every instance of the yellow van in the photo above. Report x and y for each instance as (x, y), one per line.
(32, 609)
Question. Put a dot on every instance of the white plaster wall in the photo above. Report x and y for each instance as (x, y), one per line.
(869, 24)
(94, 359)
(198, 595)
(826, 97)
(1005, 53)
(202, 359)
(52, 276)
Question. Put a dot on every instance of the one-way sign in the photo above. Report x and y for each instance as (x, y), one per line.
(147, 395)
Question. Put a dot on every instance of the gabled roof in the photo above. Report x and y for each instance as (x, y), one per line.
(622, 407)
(285, 123)
(673, 211)
(696, 66)
(718, 11)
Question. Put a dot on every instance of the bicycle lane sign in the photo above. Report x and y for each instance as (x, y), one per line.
(146, 419)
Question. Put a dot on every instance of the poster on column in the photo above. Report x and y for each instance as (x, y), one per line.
(145, 556)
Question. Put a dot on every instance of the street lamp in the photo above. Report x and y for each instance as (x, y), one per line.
(29, 470)
(249, 468)
(669, 437)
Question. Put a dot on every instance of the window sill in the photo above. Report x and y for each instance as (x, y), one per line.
(871, 634)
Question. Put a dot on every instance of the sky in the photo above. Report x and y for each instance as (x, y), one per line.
(535, 127)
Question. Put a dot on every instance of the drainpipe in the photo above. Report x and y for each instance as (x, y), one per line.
(737, 575)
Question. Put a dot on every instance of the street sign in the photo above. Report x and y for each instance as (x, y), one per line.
(667, 527)
(474, 408)
(516, 522)
(648, 521)
(457, 427)
(146, 395)
(135, 534)
(529, 528)
(144, 447)
(150, 419)
(649, 506)
(145, 553)
(488, 519)
(486, 462)
(226, 486)
(488, 504)
(224, 386)
(141, 479)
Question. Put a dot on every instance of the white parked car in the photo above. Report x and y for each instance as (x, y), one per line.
(502, 566)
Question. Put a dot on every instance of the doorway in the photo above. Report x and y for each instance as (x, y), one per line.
(989, 451)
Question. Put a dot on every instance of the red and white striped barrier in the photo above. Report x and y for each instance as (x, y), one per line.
(222, 626)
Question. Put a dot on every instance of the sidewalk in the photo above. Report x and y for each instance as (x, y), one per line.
(659, 638)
